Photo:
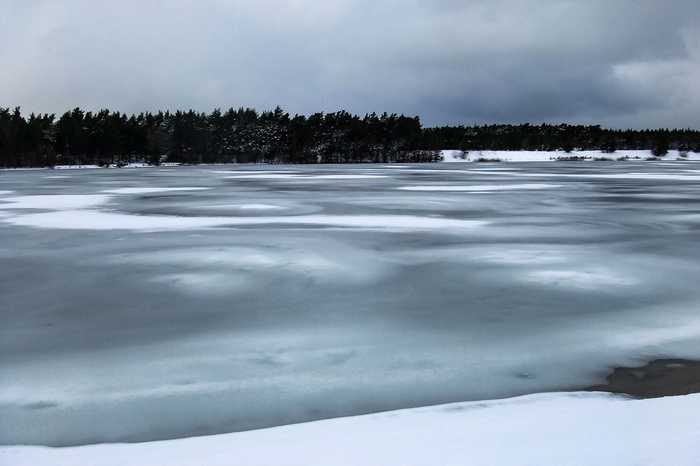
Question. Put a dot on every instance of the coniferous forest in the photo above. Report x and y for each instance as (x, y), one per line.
(245, 135)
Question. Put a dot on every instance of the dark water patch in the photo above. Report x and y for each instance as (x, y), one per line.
(661, 377)
(41, 405)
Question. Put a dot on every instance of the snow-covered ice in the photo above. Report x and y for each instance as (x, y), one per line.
(151, 190)
(97, 220)
(54, 201)
(572, 429)
(482, 188)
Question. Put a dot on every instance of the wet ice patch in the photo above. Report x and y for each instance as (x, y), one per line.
(150, 190)
(482, 188)
(55, 201)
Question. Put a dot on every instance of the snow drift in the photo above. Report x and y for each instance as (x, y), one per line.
(573, 429)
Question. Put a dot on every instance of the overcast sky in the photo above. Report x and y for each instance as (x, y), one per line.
(621, 63)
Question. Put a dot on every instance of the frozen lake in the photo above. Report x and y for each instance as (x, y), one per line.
(167, 302)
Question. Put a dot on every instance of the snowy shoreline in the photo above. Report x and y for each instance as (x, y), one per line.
(572, 428)
(449, 156)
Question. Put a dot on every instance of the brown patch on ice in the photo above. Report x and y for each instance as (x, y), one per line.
(661, 377)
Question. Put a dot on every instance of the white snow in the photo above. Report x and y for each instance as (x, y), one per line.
(258, 207)
(96, 220)
(250, 172)
(55, 201)
(344, 177)
(454, 156)
(572, 429)
(149, 190)
(612, 176)
(74, 167)
(264, 176)
(282, 176)
(5, 192)
(547, 156)
(482, 188)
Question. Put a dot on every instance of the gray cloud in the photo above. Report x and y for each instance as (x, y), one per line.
(619, 63)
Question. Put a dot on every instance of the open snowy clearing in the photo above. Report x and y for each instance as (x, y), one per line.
(573, 429)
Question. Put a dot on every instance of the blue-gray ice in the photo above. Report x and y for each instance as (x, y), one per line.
(166, 302)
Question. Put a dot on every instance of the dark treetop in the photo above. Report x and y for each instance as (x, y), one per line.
(244, 135)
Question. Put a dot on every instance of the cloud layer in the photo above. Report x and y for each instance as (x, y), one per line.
(622, 63)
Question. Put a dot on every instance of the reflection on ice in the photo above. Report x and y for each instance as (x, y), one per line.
(599, 279)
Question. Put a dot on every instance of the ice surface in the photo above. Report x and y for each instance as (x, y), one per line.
(344, 177)
(199, 312)
(96, 220)
(259, 207)
(573, 429)
(283, 176)
(482, 188)
(150, 190)
(54, 201)
(264, 176)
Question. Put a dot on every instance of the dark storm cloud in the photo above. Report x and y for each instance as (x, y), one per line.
(620, 63)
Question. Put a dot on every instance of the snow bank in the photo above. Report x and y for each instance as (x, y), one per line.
(573, 429)
(454, 156)
(547, 156)
(74, 167)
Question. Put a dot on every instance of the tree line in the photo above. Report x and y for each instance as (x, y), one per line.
(245, 135)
